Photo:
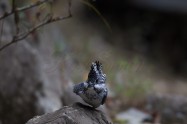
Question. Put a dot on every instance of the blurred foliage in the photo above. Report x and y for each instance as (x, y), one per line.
(130, 80)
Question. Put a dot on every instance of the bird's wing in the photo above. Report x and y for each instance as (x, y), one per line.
(94, 73)
(101, 77)
(99, 67)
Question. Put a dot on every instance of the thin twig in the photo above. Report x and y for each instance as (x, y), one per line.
(1, 33)
(16, 16)
(69, 7)
(24, 35)
(23, 8)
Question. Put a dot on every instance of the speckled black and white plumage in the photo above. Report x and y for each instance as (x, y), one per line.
(94, 90)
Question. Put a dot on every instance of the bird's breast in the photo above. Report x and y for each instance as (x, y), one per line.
(92, 97)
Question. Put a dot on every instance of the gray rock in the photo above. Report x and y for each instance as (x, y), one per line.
(74, 114)
(172, 108)
(27, 86)
(132, 116)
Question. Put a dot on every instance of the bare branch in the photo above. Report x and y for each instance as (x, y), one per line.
(1, 32)
(13, 5)
(69, 8)
(6, 14)
(16, 16)
(51, 20)
(24, 35)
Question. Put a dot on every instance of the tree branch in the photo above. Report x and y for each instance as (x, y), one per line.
(6, 14)
(21, 36)
(24, 35)
(1, 30)
(16, 16)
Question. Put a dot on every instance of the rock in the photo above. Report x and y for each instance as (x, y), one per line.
(171, 108)
(74, 114)
(132, 116)
(23, 81)
(19, 81)
(27, 86)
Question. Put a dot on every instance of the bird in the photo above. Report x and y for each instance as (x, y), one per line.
(94, 90)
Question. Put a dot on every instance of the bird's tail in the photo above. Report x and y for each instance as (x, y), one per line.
(96, 73)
